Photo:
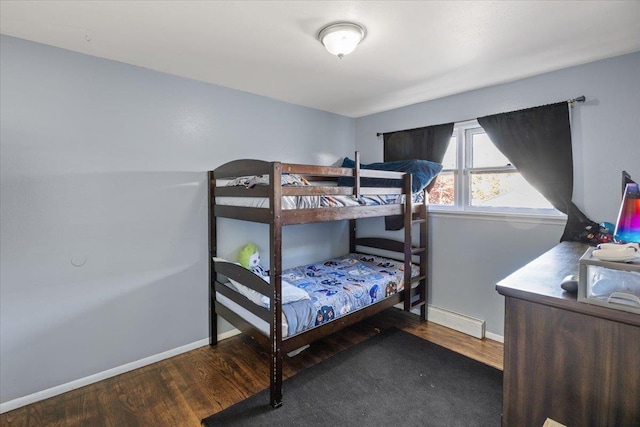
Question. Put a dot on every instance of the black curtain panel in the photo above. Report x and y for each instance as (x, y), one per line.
(426, 143)
(537, 141)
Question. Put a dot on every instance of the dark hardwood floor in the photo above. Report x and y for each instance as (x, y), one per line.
(182, 390)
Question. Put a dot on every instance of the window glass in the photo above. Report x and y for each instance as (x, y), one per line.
(449, 161)
(484, 154)
(505, 190)
(491, 182)
(443, 192)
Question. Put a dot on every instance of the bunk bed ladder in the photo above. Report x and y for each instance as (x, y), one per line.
(423, 223)
(409, 251)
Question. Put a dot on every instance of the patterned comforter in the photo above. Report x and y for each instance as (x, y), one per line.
(339, 286)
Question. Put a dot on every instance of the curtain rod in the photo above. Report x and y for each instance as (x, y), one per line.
(572, 101)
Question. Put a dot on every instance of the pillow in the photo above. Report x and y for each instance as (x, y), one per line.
(422, 171)
(289, 293)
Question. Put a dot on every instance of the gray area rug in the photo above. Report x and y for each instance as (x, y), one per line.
(391, 379)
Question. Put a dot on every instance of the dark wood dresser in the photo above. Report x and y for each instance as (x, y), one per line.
(576, 363)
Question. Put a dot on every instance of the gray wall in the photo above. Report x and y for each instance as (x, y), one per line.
(103, 165)
(470, 254)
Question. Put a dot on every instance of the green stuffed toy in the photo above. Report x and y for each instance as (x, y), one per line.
(249, 258)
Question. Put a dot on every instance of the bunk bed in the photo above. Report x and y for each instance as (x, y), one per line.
(329, 194)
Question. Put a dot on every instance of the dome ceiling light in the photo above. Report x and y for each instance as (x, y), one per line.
(341, 38)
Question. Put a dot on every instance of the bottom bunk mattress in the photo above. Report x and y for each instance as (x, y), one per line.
(332, 289)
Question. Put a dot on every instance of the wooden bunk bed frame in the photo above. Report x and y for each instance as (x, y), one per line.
(414, 294)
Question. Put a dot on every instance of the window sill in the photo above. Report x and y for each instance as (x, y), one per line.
(512, 217)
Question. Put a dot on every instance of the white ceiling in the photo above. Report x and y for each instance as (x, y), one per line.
(414, 50)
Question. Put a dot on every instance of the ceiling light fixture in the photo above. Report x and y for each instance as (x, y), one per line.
(341, 38)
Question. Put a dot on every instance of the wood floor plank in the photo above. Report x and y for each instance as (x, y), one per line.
(182, 390)
(79, 407)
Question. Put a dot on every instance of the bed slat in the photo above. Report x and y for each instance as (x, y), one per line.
(316, 190)
(243, 302)
(243, 213)
(305, 216)
(239, 191)
(311, 170)
(374, 173)
(297, 341)
(381, 243)
(245, 167)
(241, 324)
(243, 276)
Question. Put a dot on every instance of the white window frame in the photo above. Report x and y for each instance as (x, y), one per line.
(462, 181)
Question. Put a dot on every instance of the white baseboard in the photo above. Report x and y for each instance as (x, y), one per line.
(233, 332)
(452, 320)
(494, 337)
(456, 321)
(63, 388)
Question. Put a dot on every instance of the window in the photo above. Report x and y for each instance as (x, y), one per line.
(476, 176)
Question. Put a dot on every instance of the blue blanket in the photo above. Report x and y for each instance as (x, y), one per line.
(339, 286)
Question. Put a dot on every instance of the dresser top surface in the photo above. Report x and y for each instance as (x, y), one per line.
(539, 281)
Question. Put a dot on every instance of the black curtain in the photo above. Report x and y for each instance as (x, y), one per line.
(537, 141)
(426, 143)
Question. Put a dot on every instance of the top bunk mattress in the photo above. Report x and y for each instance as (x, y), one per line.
(313, 202)
(308, 202)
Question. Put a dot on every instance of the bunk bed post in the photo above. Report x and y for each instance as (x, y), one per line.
(408, 250)
(356, 174)
(213, 317)
(275, 271)
(424, 243)
(352, 222)
(352, 236)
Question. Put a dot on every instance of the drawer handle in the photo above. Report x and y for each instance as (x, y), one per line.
(624, 298)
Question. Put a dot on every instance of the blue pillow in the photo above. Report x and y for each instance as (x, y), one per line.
(422, 171)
